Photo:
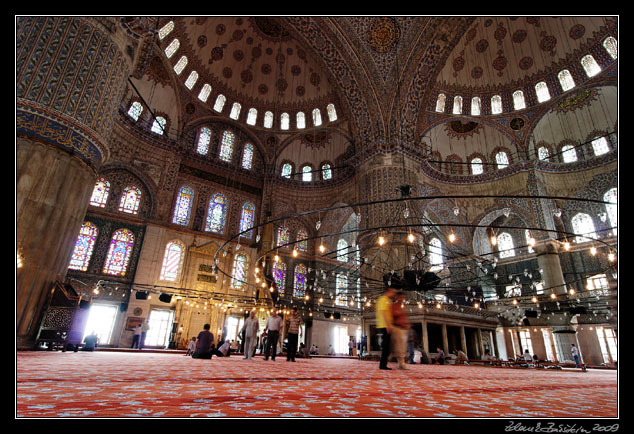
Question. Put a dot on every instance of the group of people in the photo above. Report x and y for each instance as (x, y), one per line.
(140, 332)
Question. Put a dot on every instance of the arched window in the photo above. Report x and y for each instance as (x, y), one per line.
(600, 146)
(83, 247)
(119, 253)
(341, 290)
(342, 250)
(100, 193)
(582, 224)
(204, 92)
(435, 254)
(590, 65)
(183, 208)
(283, 237)
(220, 103)
(569, 154)
(541, 89)
(440, 103)
(247, 219)
(226, 146)
(240, 268)
(611, 208)
(301, 120)
(299, 285)
(302, 240)
(279, 276)
(475, 106)
(316, 117)
(285, 121)
(287, 169)
(610, 46)
(166, 30)
(172, 261)
(191, 80)
(332, 113)
(496, 104)
(252, 116)
(518, 100)
(130, 200)
(505, 245)
(158, 126)
(457, 105)
(180, 65)
(217, 214)
(268, 119)
(135, 110)
(247, 156)
(565, 80)
(172, 47)
(502, 159)
(204, 137)
(326, 171)
(307, 174)
(542, 153)
(476, 166)
(235, 111)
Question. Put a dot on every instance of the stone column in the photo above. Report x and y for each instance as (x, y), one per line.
(463, 341)
(445, 342)
(425, 337)
(480, 343)
(70, 75)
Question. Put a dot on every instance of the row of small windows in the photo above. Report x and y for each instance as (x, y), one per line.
(129, 202)
(307, 171)
(227, 145)
(589, 64)
(192, 78)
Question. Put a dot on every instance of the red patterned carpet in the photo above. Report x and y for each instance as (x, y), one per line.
(116, 384)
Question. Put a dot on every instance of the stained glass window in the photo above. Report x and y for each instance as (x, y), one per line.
(279, 276)
(240, 268)
(440, 103)
(247, 219)
(183, 208)
(119, 253)
(252, 116)
(172, 261)
(600, 146)
(610, 46)
(505, 245)
(191, 80)
(476, 166)
(582, 224)
(565, 80)
(235, 111)
(135, 110)
(217, 214)
(268, 119)
(502, 160)
(541, 89)
(475, 106)
(341, 289)
(283, 236)
(285, 121)
(299, 286)
(326, 171)
(247, 156)
(100, 193)
(220, 102)
(435, 254)
(316, 117)
(166, 30)
(204, 92)
(542, 153)
(158, 126)
(226, 146)
(307, 174)
(180, 65)
(130, 200)
(83, 247)
(332, 113)
(301, 120)
(612, 209)
(342, 250)
(172, 47)
(457, 105)
(496, 104)
(302, 240)
(287, 169)
(590, 65)
(569, 154)
(204, 137)
(518, 100)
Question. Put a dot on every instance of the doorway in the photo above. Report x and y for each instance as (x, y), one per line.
(160, 328)
(101, 319)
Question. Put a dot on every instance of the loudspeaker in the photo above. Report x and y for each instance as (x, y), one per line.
(123, 307)
(526, 322)
(165, 298)
(336, 315)
(578, 310)
(531, 314)
(326, 314)
(141, 295)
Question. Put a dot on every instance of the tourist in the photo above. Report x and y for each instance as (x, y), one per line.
(90, 342)
(331, 350)
(144, 329)
(294, 327)
(461, 357)
(204, 343)
(351, 346)
(272, 331)
(412, 339)
(575, 354)
(136, 337)
(224, 350)
(191, 347)
(400, 329)
(384, 324)
(440, 356)
(250, 329)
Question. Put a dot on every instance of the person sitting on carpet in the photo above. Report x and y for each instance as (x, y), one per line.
(440, 357)
(90, 342)
(191, 347)
(462, 357)
(223, 350)
(204, 343)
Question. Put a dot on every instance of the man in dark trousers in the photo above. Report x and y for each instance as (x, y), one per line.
(384, 324)
(272, 331)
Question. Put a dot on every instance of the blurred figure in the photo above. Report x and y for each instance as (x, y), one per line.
(384, 324)
(400, 329)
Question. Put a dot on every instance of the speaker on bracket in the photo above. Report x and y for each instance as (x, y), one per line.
(123, 307)
(336, 315)
(141, 295)
(326, 314)
(165, 298)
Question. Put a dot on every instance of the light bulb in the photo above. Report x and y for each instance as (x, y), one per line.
(531, 241)
(534, 299)
(276, 258)
(611, 257)
(294, 253)
(411, 238)
(381, 240)
(567, 245)
(494, 240)
(593, 250)
(322, 248)
(452, 237)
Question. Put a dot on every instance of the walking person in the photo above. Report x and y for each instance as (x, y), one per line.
(400, 329)
(136, 337)
(272, 331)
(144, 329)
(294, 324)
(250, 329)
(384, 324)
(575, 354)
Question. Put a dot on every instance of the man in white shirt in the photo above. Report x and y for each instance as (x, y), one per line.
(272, 330)
(136, 337)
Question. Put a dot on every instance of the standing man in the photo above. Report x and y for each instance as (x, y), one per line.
(272, 330)
(384, 324)
(136, 337)
(575, 354)
(400, 329)
(250, 328)
(144, 328)
(294, 327)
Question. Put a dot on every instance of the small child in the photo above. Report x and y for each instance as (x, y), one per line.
(191, 347)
